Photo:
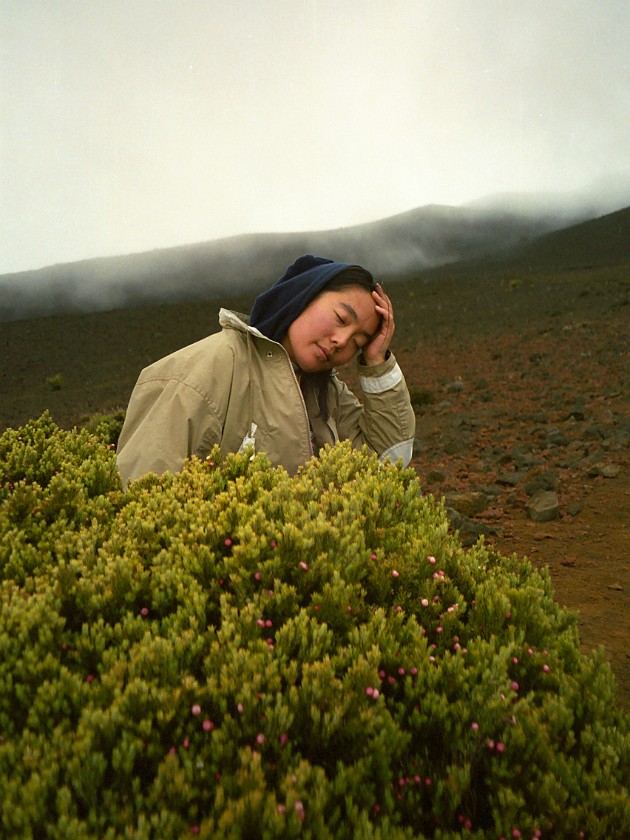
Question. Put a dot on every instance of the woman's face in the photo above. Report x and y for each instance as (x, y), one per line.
(332, 329)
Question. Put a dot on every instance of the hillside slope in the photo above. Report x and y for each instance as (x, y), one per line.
(412, 241)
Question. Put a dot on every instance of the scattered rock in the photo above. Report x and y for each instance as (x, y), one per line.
(511, 478)
(574, 509)
(605, 470)
(547, 480)
(524, 459)
(468, 504)
(556, 437)
(468, 530)
(543, 506)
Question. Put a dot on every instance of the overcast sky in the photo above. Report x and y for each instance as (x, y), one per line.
(127, 125)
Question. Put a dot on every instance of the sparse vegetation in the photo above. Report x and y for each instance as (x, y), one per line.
(55, 382)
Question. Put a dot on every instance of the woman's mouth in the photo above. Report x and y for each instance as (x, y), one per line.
(322, 353)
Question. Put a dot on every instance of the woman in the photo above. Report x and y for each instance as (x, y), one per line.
(270, 382)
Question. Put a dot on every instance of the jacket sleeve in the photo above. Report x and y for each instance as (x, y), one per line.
(385, 421)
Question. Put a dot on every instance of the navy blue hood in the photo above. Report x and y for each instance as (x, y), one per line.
(276, 309)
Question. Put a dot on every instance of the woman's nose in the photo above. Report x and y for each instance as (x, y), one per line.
(341, 338)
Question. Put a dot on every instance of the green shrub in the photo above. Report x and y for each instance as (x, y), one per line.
(106, 427)
(231, 652)
(55, 382)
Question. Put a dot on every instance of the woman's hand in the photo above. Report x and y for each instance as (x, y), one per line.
(376, 351)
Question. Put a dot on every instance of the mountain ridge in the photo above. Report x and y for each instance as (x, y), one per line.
(416, 240)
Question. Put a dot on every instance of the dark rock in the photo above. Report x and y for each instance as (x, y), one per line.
(594, 433)
(556, 437)
(547, 480)
(435, 476)
(511, 479)
(544, 506)
(492, 490)
(468, 504)
(455, 444)
(605, 470)
(468, 530)
(524, 459)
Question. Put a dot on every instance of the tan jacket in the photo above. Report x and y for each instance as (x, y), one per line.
(238, 387)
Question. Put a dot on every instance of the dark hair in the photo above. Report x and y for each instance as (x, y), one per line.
(349, 277)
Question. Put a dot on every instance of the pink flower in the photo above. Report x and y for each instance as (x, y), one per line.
(424, 602)
(228, 542)
(260, 739)
(431, 559)
(395, 574)
(474, 726)
(372, 556)
(207, 725)
(303, 566)
(546, 669)
(196, 709)
(514, 686)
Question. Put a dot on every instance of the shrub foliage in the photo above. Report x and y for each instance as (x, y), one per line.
(232, 652)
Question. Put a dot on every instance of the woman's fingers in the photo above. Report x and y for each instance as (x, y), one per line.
(385, 309)
(376, 351)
